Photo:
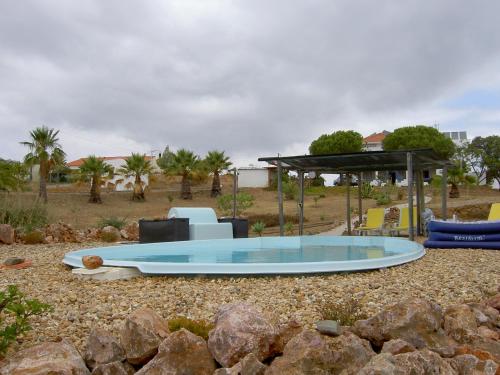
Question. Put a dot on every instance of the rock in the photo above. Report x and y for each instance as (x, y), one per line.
(494, 302)
(102, 348)
(7, 234)
(239, 330)
(49, 358)
(182, 352)
(460, 322)
(328, 327)
(124, 234)
(306, 353)
(487, 333)
(416, 321)
(285, 333)
(467, 364)
(418, 362)
(351, 353)
(114, 368)
(13, 261)
(92, 262)
(397, 346)
(249, 365)
(486, 315)
(142, 334)
(110, 234)
(132, 231)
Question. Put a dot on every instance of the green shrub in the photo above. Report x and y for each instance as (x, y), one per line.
(243, 202)
(289, 228)
(170, 198)
(15, 311)
(258, 228)
(23, 216)
(290, 190)
(109, 237)
(367, 190)
(34, 237)
(198, 327)
(113, 221)
(318, 181)
(382, 199)
(345, 312)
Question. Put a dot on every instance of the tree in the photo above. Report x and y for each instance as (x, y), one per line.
(458, 176)
(12, 175)
(136, 166)
(165, 159)
(216, 162)
(342, 141)
(46, 151)
(94, 168)
(419, 136)
(482, 155)
(184, 163)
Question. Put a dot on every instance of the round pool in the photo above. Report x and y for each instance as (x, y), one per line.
(265, 255)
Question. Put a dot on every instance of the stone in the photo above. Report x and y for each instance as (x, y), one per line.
(182, 352)
(351, 353)
(487, 333)
(110, 233)
(124, 234)
(239, 330)
(7, 234)
(114, 368)
(418, 362)
(92, 262)
(132, 231)
(142, 334)
(48, 358)
(107, 273)
(494, 302)
(397, 346)
(468, 364)
(416, 321)
(486, 315)
(460, 322)
(328, 327)
(102, 348)
(306, 353)
(286, 332)
(13, 261)
(249, 365)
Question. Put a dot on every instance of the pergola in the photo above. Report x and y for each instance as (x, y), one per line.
(413, 161)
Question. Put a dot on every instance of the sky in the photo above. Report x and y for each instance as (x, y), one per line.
(251, 77)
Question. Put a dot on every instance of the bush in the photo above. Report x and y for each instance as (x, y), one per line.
(112, 221)
(318, 181)
(345, 312)
(367, 190)
(34, 237)
(290, 190)
(382, 199)
(258, 228)
(198, 327)
(15, 311)
(289, 228)
(243, 202)
(23, 216)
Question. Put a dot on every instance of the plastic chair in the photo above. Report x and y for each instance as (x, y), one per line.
(404, 221)
(374, 221)
(494, 212)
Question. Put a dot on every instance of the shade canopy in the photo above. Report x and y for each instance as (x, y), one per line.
(361, 161)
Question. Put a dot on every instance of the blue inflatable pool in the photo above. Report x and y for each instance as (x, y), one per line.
(473, 235)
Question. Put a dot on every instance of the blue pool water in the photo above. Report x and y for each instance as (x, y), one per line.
(266, 255)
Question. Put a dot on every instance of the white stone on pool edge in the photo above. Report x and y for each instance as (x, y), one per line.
(107, 273)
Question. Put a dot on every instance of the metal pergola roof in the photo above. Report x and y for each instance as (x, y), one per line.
(361, 161)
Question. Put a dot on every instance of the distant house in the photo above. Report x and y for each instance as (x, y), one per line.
(256, 177)
(374, 141)
(118, 182)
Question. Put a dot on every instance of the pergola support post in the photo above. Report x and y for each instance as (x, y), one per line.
(409, 166)
(301, 203)
(235, 190)
(360, 198)
(348, 203)
(280, 200)
(419, 201)
(444, 193)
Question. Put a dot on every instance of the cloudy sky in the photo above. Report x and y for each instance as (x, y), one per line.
(253, 78)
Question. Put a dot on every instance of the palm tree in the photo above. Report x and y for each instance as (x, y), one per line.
(184, 163)
(137, 165)
(46, 151)
(216, 162)
(95, 168)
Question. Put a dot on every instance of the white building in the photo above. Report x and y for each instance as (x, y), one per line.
(255, 177)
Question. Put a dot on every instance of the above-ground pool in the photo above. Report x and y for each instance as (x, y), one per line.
(266, 255)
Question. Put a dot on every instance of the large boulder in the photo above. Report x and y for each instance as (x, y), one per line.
(397, 346)
(285, 332)
(249, 365)
(423, 362)
(494, 302)
(239, 330)
(7, 234)
(460, 322)
(350, 352)
(114, 368)
(49, 358)
(306, 353)
(182, 352)
(468, 364)
(102, 348)
(142, 334)
(416, 321)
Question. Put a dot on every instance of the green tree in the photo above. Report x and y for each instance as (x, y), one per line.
(420, 136)
(165, 159)
(342, 141)
(482, 156)
(136, 166)
(216, 162)
(184, 163)
(13, 175)
(458, 176)
(45, 150)
(94, 169)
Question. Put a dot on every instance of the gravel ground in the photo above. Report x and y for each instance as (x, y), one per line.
(446, 276)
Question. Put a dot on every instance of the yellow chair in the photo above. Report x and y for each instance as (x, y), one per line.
(404, 221)
(374, 221)
(494, 212)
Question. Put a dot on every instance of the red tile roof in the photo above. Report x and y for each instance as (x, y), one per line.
(79, 162)
(376, 137)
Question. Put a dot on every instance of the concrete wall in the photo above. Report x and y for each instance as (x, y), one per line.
(253, 178)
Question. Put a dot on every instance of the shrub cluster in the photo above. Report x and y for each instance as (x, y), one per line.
(23, 216)
(346, 312)
(198, 327)
(243, 202)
